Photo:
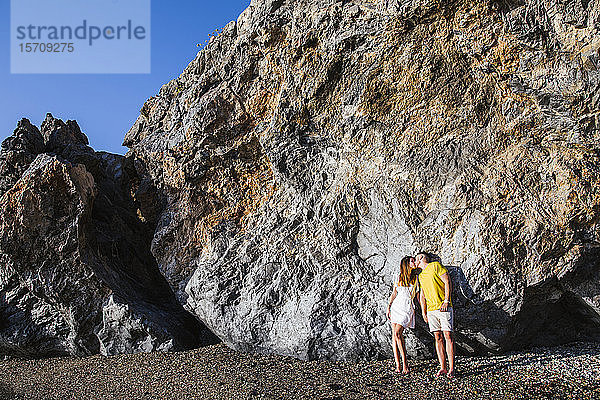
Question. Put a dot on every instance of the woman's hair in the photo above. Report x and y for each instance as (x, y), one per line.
(406, 277)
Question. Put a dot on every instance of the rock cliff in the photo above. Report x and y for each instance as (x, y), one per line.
(312, 144)
(76, 275)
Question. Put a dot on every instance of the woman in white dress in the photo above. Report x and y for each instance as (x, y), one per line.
(401, 309)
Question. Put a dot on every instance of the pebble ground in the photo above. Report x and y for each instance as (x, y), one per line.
(216, 372)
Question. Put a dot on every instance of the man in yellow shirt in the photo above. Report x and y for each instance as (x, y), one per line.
(436, 306)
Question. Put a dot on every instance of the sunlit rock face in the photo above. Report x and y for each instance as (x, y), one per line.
(311, 144)
(76, 273)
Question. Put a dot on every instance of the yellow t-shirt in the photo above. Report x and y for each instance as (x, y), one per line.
(433, 286)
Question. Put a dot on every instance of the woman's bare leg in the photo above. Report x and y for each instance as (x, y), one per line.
(402, 343)
(395, 345)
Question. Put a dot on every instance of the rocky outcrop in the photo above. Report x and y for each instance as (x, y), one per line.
(17, 152)
(312, 144)
(76, 274)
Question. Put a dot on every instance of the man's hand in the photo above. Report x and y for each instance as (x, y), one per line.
(447, 290)
(423, 303)
(444, 306)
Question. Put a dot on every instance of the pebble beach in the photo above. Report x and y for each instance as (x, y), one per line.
(217, 372)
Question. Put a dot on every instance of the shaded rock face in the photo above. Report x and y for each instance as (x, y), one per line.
(17, 152)
(76, 273)
(312, 144)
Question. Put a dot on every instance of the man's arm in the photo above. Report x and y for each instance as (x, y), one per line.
(447, 290)
(423, 303)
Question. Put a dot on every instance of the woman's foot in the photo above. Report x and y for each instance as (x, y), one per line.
(405, 370)
(441, 372)
(450, 374)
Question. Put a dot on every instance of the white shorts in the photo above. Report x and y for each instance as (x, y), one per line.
(441, 320)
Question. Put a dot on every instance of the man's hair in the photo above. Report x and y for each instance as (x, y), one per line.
(426, 255)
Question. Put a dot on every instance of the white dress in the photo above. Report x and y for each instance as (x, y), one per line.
(402, 310)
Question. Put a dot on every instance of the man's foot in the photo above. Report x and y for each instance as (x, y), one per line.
(398, 370)
(450, 374)
(441, 372)
(405, 370)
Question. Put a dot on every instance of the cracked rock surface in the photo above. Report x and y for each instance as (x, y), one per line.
(312, 144)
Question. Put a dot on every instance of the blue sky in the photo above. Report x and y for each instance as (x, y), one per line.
(106, 105)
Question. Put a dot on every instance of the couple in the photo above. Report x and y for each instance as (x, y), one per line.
(432, 282)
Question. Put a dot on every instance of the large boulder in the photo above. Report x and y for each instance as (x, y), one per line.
(311, 144)
(76, 273)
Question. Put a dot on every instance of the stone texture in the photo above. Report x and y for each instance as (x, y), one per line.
(76, 273)
(311, 144)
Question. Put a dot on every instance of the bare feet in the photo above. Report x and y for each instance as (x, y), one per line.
(405, 370)
(450, 374)
(398, 370)
(441, 372)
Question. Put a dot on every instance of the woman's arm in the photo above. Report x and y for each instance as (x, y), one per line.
(392, 297)
(417, 290)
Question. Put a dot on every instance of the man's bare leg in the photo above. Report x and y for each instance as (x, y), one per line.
(439, 348)
(449, 338)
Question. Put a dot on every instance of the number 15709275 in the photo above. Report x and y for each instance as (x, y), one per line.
(46, 47)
